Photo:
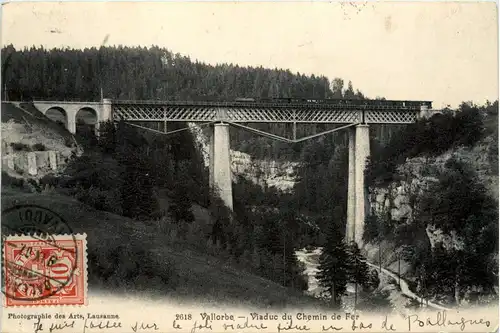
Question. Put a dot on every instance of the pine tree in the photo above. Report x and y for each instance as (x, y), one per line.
(334, 265)
(138, 199)
(180, 207)
(358, 269)
(107, 137)
(221, 219)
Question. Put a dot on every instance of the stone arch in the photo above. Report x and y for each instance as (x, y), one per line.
(87, 115)
(58, 115)
(87, 120)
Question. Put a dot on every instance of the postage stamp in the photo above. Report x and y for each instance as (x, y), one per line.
(45, 270)
(44, 263)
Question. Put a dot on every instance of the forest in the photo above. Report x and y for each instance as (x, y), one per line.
(120, 172)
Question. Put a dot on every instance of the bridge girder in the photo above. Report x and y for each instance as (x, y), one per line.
(380, 113)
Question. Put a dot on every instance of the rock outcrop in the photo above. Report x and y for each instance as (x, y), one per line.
(30, 150)
(399, 199)
(281, 175)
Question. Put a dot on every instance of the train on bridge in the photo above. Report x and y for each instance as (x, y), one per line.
(342, 102)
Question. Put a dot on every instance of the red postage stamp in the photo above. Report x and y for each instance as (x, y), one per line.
(45, 270)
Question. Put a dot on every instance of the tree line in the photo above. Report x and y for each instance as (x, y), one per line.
(137, 73)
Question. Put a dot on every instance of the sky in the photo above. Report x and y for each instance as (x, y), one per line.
(443, 52)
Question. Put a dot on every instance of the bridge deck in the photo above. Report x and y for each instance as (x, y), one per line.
(339, 111)
(274, 110)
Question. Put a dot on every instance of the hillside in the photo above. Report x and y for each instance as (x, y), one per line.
(144, 250)
(436, 201)
(33, 127)
(26, 130)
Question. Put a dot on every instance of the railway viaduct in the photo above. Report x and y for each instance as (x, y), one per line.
(352, 116)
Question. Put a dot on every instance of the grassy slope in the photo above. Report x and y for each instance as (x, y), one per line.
(201, 277)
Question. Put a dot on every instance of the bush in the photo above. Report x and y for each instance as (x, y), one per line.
(413, 304)
(376, 302)
(69, 142)
(18, 146)
(49, 180)
(39, 147)
(106, 200)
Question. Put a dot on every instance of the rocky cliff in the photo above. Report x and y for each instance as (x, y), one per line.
(399, 199)
(32, 145)
(281, 175)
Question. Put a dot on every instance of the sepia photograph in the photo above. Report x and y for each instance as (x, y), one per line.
(249, 166)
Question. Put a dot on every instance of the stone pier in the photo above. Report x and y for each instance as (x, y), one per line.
(220, 163)
(357, 198)
(72, 126)
(106, 110)
(351, 196)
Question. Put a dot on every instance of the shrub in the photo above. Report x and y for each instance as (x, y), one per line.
(18, 146)
(412, 304)
(376, 302)
(69, 142)
(106, 200)
(39, 147)
(49, 180)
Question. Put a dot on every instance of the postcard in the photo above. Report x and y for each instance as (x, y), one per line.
(206, 167)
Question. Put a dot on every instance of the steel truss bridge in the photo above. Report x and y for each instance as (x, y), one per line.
(334, 111)
(293, 111)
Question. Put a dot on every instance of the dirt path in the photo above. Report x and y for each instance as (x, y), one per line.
(405, 288)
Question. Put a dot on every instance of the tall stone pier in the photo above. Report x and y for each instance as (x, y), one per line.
(220, 163)
(357, 196)
(106, 110)
(351, 190)
(72, 125)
